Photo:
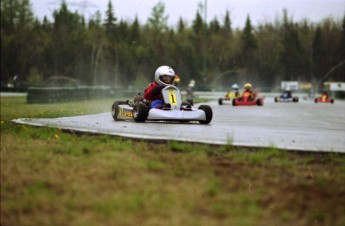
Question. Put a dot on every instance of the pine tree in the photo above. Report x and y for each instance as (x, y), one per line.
(16, 38)
(134, 32)
(198, 24)
(158, 21)
(68, 31)
(214, 26)
(181, 26)
(226, 28)
(248, 40)
(110, 21)
(317, 53)
(248, 47)
(292, 53)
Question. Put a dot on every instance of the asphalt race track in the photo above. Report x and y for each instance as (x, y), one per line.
(302, 126)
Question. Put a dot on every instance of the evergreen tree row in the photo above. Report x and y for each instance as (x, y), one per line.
(108, 51)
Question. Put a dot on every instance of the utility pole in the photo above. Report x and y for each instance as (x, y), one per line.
(205, 41)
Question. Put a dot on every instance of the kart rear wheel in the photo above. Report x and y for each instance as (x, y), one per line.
(295, 99)
(276, 99)
(234, 102)
(208, 112)
(315, 100)
(332, 101)
(115, 109)
(140, 112)
(220, 101)
(259, 102)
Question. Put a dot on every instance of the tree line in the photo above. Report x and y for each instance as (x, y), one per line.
(119, 53)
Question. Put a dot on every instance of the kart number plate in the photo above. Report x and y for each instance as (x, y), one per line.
(172, 97)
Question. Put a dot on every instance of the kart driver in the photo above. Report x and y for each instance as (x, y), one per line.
(324, 96)
(286, 94)
(233, 93)
(164, 76)
(248, 92)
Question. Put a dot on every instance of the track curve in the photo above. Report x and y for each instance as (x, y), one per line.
(303, 126)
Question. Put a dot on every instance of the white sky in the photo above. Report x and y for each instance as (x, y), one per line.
(260, 11)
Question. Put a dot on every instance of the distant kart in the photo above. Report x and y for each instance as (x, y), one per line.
(285, 97)
(247, 101)
(227, 99)
(324, 99)
(173, 110)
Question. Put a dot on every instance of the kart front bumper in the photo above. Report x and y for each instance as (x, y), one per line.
(176, 115)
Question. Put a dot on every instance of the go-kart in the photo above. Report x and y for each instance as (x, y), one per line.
(173, 110)
(324, 99)
(228, 97)
(285, 97)
(247, 100)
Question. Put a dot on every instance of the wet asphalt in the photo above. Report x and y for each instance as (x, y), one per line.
(302, 126)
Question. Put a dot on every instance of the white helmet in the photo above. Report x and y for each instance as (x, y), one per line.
(164, 70)
(191, 83)
(235, 87)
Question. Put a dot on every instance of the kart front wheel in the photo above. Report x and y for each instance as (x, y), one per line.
(115, 109)
(140, 112)
(295, 99)
(220, 101)
(234, 102)
(208, 112)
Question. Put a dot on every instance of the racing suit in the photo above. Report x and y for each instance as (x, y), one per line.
(153, 94)
(249, 94)
(324, 96)
(232, 95)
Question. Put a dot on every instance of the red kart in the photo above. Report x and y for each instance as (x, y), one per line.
(324, 99)
(247, 100)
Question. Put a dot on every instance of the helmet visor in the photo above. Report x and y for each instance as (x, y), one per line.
(167, 79)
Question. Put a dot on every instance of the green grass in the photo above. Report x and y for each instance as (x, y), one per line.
(50, 177)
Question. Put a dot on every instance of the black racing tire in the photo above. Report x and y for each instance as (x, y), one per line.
(208, 112)
(315, 100)
(332, 101)
(259, 102)
(276, 99)
(220, 101)
(234, 102)
(140, 112)
(115, 109)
